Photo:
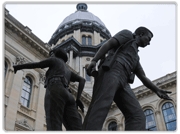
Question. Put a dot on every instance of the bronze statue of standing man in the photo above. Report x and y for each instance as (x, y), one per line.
(60, 106)
(112, 84)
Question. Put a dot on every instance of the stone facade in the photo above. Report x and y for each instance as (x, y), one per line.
(22, 46)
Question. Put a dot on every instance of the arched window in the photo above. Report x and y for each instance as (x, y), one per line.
(83, 40)
(26, 92)
(89, 40)
(5, 68)
(169, 116)
(112, 126)
(150, 121)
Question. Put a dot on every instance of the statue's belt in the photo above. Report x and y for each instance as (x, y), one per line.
(59, 79)
(54, 79)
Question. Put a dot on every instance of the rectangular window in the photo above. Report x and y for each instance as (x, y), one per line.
(89, 40)
(84, 40)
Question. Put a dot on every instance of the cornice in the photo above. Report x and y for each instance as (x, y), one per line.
(26, 34)
(163, 83)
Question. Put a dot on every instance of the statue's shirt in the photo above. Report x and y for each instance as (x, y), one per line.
(59, 67)
(56, 67)
(128, 55)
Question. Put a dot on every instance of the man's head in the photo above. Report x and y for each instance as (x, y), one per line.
(144, 36)
(60, 53)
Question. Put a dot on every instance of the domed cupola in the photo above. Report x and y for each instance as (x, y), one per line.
(80, 34)
(81, 6)
(83, 20)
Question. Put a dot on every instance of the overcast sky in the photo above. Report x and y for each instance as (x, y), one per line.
(157, 60)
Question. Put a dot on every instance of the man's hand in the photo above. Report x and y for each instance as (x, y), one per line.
(80, 104)
(163, 94)
(15, 68)
(90, 67)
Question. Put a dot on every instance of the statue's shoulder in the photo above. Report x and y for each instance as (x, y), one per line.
(123, 36)
(126, 32)
(52, 58)
(55, 60)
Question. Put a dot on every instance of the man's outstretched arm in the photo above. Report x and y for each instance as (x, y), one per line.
(41, 64)
(148, 83)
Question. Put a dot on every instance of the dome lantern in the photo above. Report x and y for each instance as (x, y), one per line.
(81, 6)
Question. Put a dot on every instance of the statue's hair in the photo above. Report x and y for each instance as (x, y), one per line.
(60, 53)
(140, 30)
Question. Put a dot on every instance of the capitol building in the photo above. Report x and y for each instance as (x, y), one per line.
(81, 34)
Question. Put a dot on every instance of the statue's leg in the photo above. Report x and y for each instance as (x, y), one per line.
(72, 119)
(96, 87)
(126, 101)
(58, 95)
(56, 114)
(47, 104)
(51, 111)
(102, 103)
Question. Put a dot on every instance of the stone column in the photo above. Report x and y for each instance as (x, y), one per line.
(15, 88)
(84, 72)
(77, 64)
(77, 35)
(8, 84)
(68, 58)
(12, 107)
(8, 87)
(80, 68)
(96, 38)
(35, 97)
(159, 122)
(40, 112)
(71, 58)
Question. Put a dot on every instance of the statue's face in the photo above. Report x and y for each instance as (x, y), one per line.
(145, 39)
